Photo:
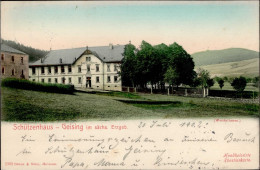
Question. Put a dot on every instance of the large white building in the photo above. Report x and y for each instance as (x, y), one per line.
(87, 67)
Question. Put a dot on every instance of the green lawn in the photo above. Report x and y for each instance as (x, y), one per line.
(41, 106)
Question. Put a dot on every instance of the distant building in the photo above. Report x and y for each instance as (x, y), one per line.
(14, 63)
(87, 67)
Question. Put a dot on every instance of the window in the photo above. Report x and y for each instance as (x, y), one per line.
(56, 69)
(12, 58)
(2, 56)
(33, 70)
(79, 80)
(115, 78)
(3, 70)
(63, 80)
(79, 69)
(108, 79)
(97, 68)
(97, 79)
(108, 68)
(42, 70)
(88, 58)
(115, 67)
(56, 80)
(22, 60)
(22, 72)
(12, 72)
(62, 69)
(49, 70)
(69, 79)
(88, 68)
(49, 80)
(42, 80)
(69, 68)
(33, 79)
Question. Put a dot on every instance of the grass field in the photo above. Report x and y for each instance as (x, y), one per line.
(41, 106)
(247, 68)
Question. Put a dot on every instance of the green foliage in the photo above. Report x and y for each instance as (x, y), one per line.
(183, 64)
(171, 76)
(256, 81)
(196, 82)
(210, 82)
(29, 85)
(34, 54)
(221, 83)
(204, 76)
(156, 65)
(239, 84)
(128, 71)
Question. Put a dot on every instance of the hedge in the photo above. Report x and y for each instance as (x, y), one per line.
(30, 85)
(233, 94)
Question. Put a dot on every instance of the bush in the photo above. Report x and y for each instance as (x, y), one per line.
(233, 94)
(29, 85)
(239, 84)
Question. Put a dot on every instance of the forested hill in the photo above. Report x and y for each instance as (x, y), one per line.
(223, 56)
(34, 54)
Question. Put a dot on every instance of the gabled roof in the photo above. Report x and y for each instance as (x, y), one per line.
(9, 49)
(69, 56)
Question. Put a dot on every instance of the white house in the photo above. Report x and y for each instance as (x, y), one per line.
(87, 67)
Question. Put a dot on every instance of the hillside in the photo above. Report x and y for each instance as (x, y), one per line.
(34, 54)
(248, 68)
(223, 56)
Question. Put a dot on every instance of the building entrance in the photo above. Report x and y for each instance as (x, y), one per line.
(88, 83)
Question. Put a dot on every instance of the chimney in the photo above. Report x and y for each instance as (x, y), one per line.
(50, 49)
(130, 42)
(60, 60)
(41, 60)
(87, 47)
(111, 46)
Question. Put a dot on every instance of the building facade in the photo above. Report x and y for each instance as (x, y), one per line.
(87, 67)
(14, 63)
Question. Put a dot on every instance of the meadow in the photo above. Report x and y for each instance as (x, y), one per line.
(26, 105)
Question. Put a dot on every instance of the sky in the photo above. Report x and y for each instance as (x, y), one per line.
(197, 26)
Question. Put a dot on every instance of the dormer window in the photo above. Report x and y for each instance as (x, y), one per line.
(88, 58)
(60, 60)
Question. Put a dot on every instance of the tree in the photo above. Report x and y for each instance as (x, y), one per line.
(128, 66)
(221, 83)
(239, 84)
(182, 63)
(210, 83)
(171, 76)
(204, 77)
(256, 81)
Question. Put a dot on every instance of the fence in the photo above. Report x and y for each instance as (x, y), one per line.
(196, 92)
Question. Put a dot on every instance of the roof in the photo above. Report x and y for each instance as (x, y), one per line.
(69, 56)
(7, 48)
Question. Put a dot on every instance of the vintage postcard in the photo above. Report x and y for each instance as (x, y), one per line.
(129, 85)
